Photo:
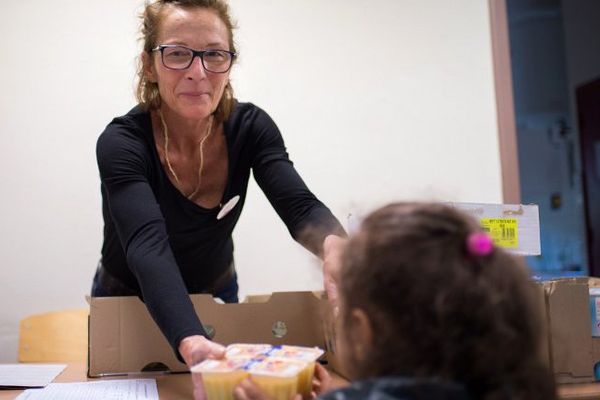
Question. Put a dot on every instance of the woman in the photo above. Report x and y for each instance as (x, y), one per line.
(175, 171)
(430, 309)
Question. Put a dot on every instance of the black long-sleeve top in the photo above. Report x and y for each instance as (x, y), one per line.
(163, 245)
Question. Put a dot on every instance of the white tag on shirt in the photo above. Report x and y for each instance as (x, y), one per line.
(228, 206)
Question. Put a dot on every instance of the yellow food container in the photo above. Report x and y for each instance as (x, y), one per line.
(278, 377)
(281, 371)
(220, 377)
(308, 355)
(247, 350)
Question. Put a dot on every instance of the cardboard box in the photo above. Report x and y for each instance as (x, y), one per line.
(123, 338)
(514, 227)
(571, 350)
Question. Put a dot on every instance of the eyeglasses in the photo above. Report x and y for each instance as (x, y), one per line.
(180, 57)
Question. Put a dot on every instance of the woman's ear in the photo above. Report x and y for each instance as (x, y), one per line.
(361, 334)
(148, 67)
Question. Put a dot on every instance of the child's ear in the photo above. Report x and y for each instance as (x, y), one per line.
(361, 334)
(148, 67)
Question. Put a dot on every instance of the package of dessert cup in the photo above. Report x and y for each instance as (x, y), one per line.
(220, 377)
(281, 371)
(247, 350)
(279, 378)
(307, 354)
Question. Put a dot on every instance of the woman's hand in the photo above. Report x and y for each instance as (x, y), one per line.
(248, 390)
(332, 251)
(195, 349)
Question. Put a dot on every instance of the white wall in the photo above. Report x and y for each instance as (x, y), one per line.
(378, 101)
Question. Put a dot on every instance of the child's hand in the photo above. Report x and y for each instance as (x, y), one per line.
(248, 390)
(322, 381)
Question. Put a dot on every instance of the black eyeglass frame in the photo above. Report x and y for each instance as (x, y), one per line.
(195, 53)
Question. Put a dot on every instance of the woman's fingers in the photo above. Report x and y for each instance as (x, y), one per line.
(194, 350)
(214, 350)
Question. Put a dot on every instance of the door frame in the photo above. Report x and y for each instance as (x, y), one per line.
(587, 91)
(505, 105)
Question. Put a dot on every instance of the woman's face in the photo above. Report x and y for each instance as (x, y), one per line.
(192, 93)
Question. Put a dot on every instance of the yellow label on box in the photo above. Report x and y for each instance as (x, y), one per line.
(504, 231)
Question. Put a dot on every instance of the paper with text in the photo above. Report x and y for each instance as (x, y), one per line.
(126, 389)
(29, 375)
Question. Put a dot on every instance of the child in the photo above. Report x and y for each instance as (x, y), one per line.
(430, 309)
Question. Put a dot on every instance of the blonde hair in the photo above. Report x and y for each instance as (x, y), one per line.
(147, 92)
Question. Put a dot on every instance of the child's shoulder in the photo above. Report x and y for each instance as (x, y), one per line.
(398, 388)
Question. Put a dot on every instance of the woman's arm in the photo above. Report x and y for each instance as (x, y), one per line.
(124, 168)
(306, 217)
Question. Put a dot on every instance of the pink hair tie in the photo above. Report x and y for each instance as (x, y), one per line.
(479, 244)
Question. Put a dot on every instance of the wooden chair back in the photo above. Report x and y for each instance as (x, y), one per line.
(59, 336)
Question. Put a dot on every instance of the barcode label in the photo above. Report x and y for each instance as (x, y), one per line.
(504, 231)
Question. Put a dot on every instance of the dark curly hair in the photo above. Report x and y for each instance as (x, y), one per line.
(147, 92)
(438, 311)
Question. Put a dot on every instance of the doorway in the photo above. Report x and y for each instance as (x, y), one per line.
(588, 109)
(553, 47)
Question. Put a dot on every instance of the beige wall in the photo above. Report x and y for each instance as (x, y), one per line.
(378, 101)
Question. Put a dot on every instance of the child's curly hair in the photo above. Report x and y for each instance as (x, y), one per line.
(438, 310)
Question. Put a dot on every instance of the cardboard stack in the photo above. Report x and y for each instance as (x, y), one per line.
(570, 348)
(124, 339)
